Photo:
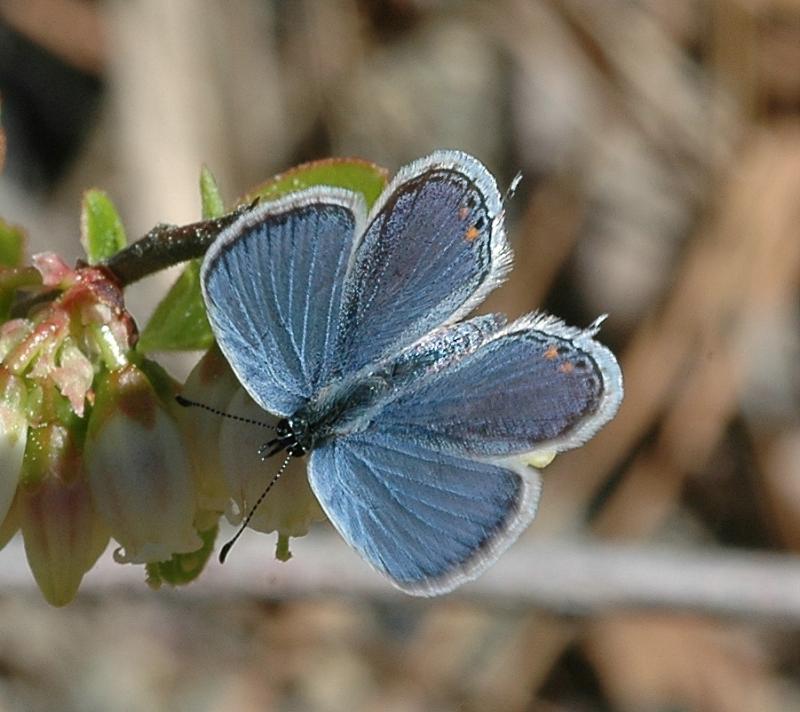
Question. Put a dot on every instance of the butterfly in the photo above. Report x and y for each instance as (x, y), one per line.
(418, 425)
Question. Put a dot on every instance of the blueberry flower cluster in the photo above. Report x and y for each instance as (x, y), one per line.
(93, 445)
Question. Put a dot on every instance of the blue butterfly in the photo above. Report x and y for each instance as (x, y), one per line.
(418, 426)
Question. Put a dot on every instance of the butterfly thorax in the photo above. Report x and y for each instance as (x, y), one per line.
(340, 408)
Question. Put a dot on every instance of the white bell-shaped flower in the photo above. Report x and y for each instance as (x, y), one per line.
(139, 470)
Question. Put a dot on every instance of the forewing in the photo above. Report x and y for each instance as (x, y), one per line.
(434, 247)
(427, 519)
(272, 284)
(533, 385)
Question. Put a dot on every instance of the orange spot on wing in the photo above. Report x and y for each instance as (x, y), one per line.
(471, 234)
(551, 352)
(566, 367)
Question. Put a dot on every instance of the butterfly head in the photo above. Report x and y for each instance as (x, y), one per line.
(291, 435)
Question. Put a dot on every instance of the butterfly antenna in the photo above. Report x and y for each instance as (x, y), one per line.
(223, 552)
(186, 403)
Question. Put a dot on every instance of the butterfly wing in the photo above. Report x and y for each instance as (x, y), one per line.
(427, 519)
(534, 385)
(272, 284)
(434, 247)
(435, 486)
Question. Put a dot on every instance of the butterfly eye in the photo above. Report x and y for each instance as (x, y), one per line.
(283, 428)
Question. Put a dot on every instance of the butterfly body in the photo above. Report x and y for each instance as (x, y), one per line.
(350, 405)
(418, 424)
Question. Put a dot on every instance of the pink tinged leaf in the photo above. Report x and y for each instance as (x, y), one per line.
(54, 270)
(42, 342)
(73, 376)
(12, 334)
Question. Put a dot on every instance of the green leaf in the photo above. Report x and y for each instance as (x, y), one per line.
(179, 322)
(213, 206)
(163, 384)
(183, 568)
(12, 248)
(351, 173)
(102, 233)
(12, 244)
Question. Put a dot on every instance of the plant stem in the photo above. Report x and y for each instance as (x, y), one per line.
(165, 246)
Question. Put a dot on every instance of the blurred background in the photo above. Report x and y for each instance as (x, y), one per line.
(660, 148)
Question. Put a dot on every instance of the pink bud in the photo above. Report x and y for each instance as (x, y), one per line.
(62, 532)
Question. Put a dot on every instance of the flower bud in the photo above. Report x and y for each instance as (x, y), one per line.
(64, 343)
(13, 433)
(138, 470)
(290, 507)
(12, 334)
(62, 532)
(10, 525)
(213, 384)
